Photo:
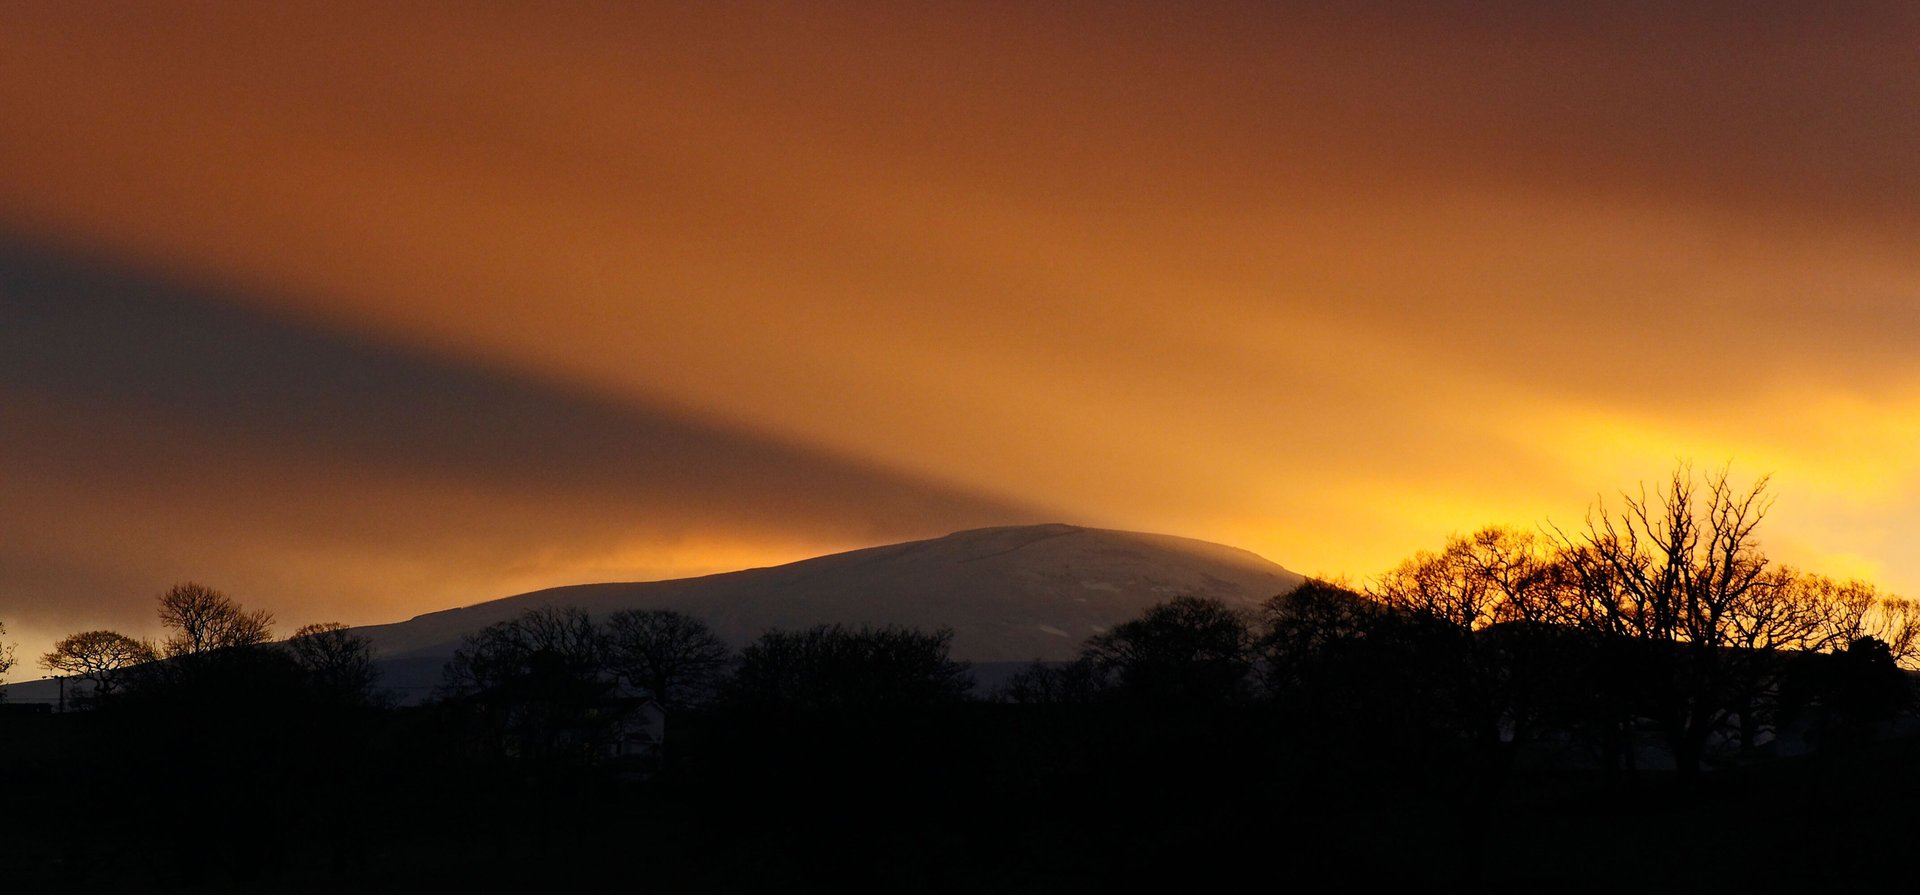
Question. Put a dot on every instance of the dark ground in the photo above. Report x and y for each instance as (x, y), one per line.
(976, 797)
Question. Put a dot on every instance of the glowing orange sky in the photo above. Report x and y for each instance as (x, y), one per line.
(1326, 286)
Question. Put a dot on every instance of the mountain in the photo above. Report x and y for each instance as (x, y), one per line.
(1010, 594)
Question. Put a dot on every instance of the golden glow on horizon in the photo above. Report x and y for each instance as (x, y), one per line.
(1326, 287)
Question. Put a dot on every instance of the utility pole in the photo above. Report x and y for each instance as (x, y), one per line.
(63, 692)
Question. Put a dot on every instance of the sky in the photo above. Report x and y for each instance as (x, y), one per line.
(358, 311)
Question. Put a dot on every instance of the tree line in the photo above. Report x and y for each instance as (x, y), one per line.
(1662, 618)
(1475, 705)
(209, 635)
(1663, 615)
(1660, 615)
(554, 670)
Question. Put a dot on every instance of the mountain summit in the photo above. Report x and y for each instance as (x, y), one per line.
(1010, 594)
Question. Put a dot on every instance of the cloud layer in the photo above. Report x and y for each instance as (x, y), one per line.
(1325, 284)
(153, 435)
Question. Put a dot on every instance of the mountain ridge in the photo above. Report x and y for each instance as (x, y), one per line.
(1010, 593)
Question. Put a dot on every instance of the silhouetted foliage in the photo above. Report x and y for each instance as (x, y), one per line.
(1308, 627)
(339, 663)
(1478, 624)
(829, 666)
(1473, 719)
(204, 620)
(1080, 682)
(546, 646)
(253, 673)
(539, 682)
(102, 658)
(1838, 697)
(672, 656)
(1187, 649)
(6, 658)
(1867, 685)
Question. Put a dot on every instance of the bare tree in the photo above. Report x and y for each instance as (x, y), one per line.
(1674, 569)
(6, 658)
(537, 684)
(1444, 587)
(1480, 618)
(1854, 609)
(338, 663)
(549, 644)
(671, 655)
(101, 657)
(1787, 610)
(1495, 575)
(204, 620)
(1895, 621)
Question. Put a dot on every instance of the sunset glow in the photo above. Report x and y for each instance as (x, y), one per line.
(363, 312)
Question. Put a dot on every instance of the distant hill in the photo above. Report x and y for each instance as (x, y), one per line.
(1010, 594)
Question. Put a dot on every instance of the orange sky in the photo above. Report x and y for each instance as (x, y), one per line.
(362, 311)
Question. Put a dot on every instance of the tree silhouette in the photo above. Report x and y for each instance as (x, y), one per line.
(1672, 570)
(1311, 635)
(673, 656)
(204, 620)
(1186, 649)
(1855, 609)
(338, 663)
(101, 657)
(1869, 686)
(1481, 625)
(545, 647)
(1843, 693)
(539, 684)
(1041, 683)
(1495, 575)
(6, 658)
(829, 666)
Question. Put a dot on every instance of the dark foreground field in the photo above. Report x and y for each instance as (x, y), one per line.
(972, 797)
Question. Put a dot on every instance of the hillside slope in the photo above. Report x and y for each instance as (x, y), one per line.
(1010, 594)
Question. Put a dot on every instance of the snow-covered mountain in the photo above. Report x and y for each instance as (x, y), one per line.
(1009, 594)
